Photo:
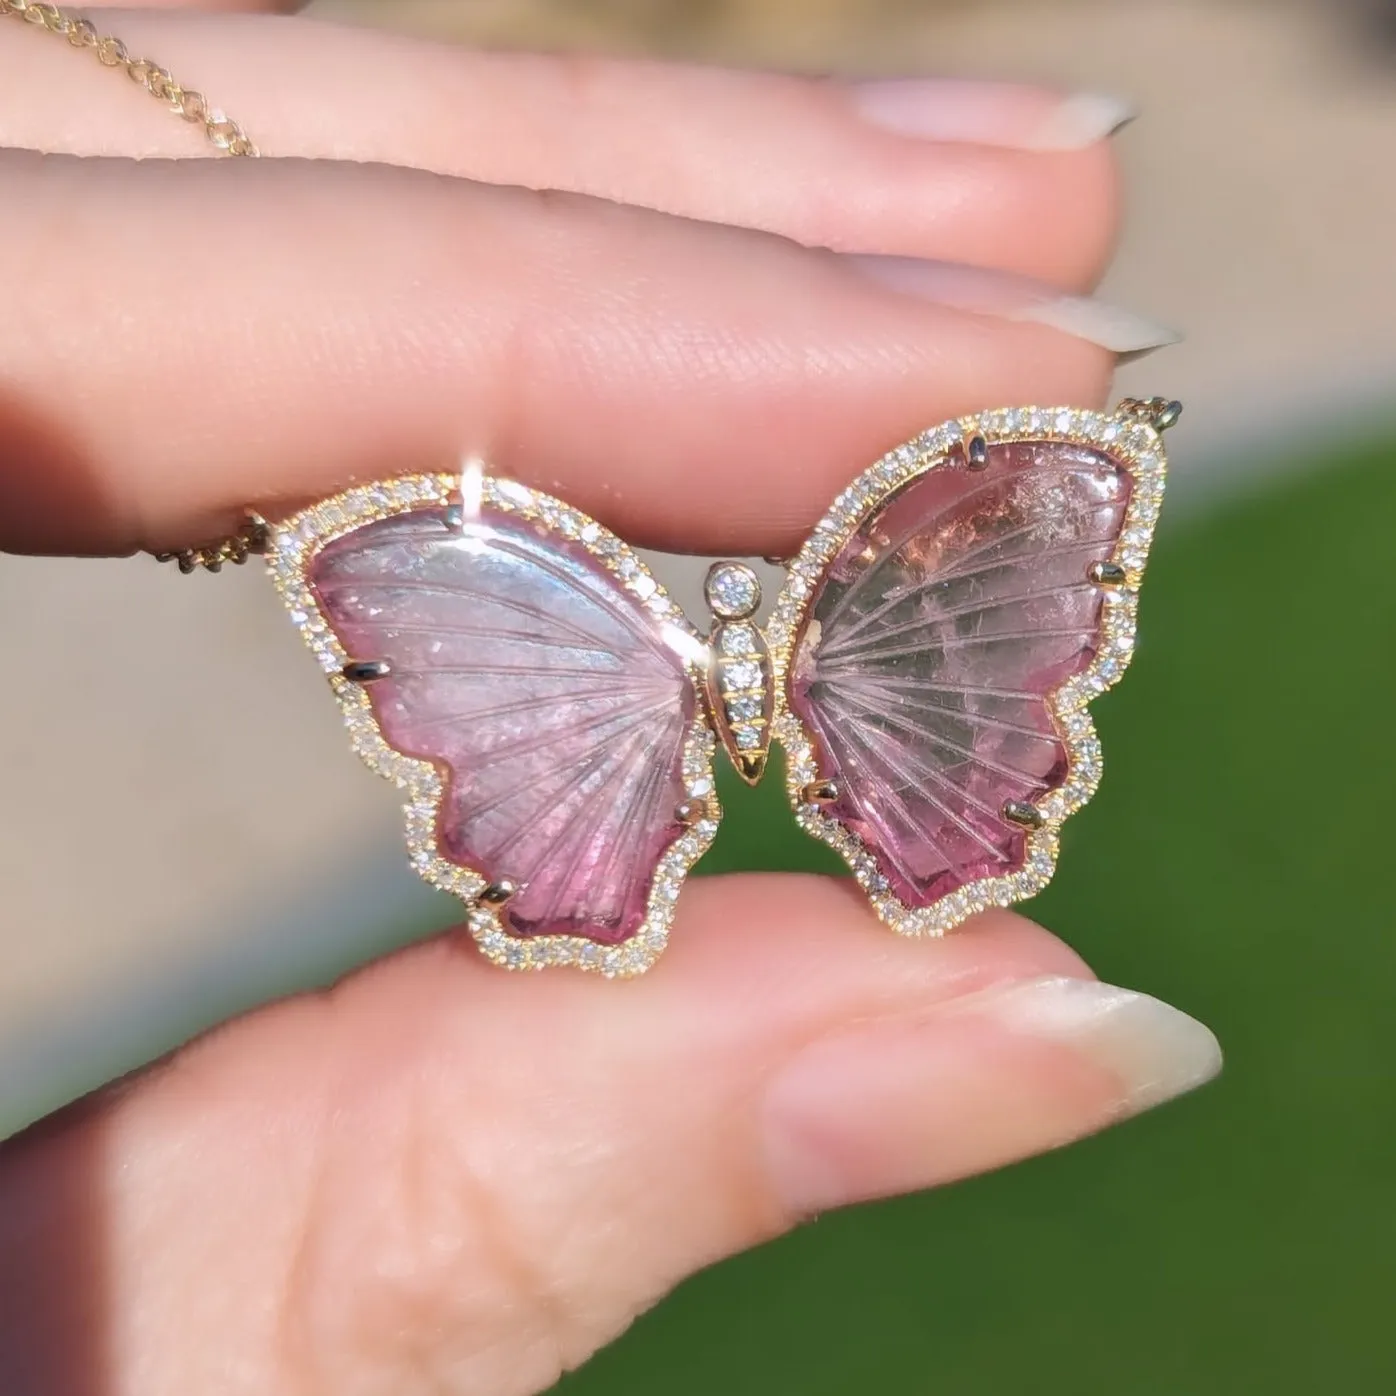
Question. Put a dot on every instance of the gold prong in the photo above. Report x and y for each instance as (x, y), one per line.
(256, 532)
(1023, 813)
(1107, 574)
(1167, 415)
(693, 811)
(1159, 412)
(498, 894)
(820, 792)
(976, 450)
(366, 670)
(750, 765)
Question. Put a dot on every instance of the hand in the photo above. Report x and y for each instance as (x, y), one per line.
(437, 1177)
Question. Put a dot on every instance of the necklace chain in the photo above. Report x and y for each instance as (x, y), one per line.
(223, 133)
(193, 107)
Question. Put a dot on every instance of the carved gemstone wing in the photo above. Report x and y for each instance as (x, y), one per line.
(546, 694)
(932, 645)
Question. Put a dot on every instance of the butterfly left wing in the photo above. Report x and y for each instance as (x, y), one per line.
(519, 670)
(937, 642)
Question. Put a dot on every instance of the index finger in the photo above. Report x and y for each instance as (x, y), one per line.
(183, 340)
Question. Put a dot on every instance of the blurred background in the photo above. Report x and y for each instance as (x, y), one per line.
(1243, 1241)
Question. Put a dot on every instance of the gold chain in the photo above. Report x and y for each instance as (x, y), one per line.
(222, 131)
(224, 134)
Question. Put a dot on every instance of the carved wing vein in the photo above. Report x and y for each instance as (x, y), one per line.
(845, 644)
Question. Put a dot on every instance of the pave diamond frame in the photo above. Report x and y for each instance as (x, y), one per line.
(292, 548)
(1132, 444)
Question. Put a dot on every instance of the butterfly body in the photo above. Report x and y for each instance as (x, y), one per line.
(740, 696)
(554, 716)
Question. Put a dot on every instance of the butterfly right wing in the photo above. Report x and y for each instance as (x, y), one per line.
(961, 613)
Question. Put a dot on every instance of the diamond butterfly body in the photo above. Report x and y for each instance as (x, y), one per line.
(554, 718)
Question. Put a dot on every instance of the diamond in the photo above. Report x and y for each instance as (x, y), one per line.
(741, 675)
(745, 708)
(732, 590)
(737, 639)
(748, 738)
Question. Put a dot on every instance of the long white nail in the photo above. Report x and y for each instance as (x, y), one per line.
(893, 1105)
(1080, 120)
(1154, 1051)
(986, 113)
(1008, 297)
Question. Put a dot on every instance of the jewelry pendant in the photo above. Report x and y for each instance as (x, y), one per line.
(553, 717)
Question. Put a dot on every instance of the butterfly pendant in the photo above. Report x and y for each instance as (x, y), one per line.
(554, 718)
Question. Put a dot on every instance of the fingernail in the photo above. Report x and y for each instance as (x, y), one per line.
(997, 114)
(1009, 297)
(899, 1105)
(1154, 1051)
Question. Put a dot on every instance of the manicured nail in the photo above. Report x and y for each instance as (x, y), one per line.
(998, 114)
(1154, 1051)
(899, 1105)
(1008, 297)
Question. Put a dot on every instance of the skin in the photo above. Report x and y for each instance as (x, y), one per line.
(435, 1177)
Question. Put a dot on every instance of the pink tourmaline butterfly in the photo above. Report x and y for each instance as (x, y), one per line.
(554, 717)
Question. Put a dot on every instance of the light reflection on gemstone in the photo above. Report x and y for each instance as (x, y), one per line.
(939, 631)
(557, 703)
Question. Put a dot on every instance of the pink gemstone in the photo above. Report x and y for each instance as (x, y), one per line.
(934, 639)
(544, 692)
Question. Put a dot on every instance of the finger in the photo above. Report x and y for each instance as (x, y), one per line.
(210, 336)
(251, 6)
(438, 1178)
(990, 175)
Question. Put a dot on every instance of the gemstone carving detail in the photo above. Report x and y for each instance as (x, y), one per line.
(931, 646)
(933, 627)
(556, 707)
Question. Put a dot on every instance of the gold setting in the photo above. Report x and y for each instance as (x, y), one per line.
(976, 451)
(498, 894)
(1129, 437)
(1106, 574)
(292, 548)
(739, 695)
(1023, 813)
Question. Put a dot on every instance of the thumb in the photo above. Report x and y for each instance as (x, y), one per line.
(438, 1178)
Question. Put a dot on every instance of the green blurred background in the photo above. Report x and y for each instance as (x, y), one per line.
(1235, 862)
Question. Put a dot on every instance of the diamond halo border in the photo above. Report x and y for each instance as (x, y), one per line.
(1132, 444)
(292, 548)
